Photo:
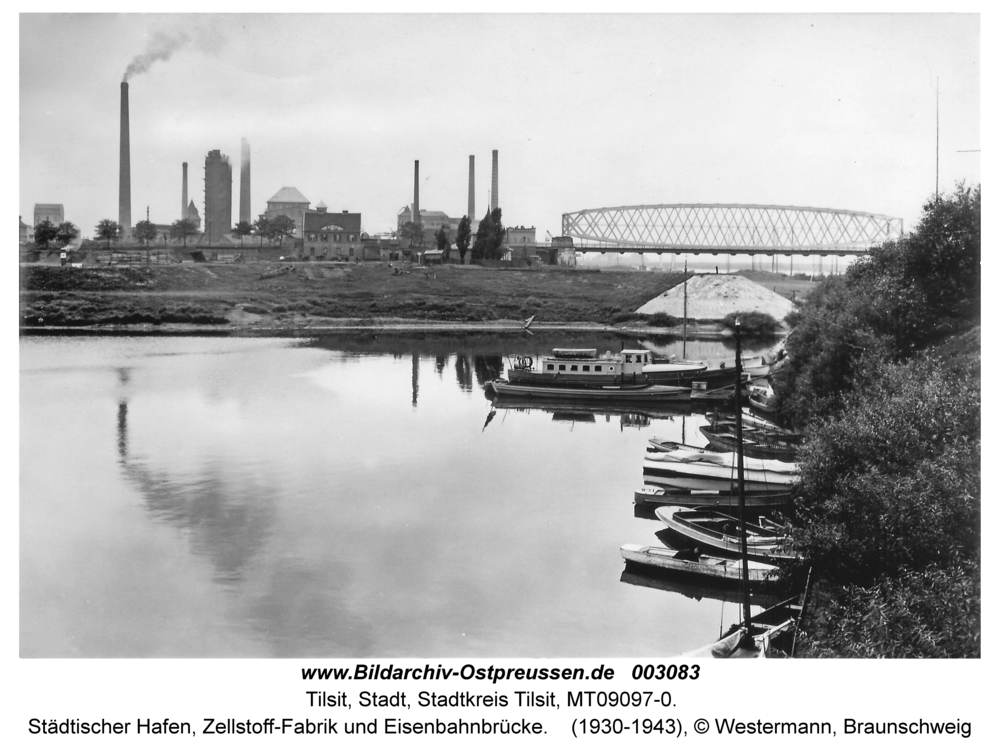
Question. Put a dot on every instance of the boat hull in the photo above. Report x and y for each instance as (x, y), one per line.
(705, 566)
(641, 393)
(711, 477)
(721, 532)
(659, 495)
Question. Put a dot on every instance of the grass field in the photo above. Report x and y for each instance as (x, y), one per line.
(290, 294)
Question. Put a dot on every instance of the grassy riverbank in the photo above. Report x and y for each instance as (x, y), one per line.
(295, 296)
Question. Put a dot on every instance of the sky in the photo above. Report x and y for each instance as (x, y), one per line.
(586, 110)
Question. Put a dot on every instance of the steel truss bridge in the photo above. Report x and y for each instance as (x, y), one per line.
(728, 229)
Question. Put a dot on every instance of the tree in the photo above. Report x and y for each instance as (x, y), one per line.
(242, 229)
(262, 229)
(183, 228)
(490, 237)
(464, 236)
(66, 232)
(45, 233)
(108, 230)
(905, 295)
(441, 237)
(414, 233)
(145, 231)
(281, 227)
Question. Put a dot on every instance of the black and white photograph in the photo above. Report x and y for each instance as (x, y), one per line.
(580, 336)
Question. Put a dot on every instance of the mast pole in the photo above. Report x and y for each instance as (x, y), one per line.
(739, 466)
(684, 345)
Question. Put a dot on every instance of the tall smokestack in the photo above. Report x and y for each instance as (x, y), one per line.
(415, 211)
(495, 186)
(184, 190)
(472, 187)
(124, 170)
(245, 181)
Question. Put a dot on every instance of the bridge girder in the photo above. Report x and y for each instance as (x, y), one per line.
(731, 228)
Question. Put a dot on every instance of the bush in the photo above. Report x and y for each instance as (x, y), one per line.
(752, 322)
(661, 319)
(934, 613)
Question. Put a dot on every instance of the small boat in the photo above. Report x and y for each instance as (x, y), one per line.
(694, 562)
(716, 471)
(754, 428)
(722, 532)
(743, 642)
(763, 399)
(663, 495)
(689, 453)
(755, 444)
(642, 392)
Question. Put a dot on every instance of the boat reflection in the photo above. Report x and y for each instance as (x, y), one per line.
(567, 411)
(693, 587)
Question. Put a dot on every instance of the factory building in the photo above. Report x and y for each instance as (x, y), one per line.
(290, 202)
(51, 212)
(218, 196)
(332, 236)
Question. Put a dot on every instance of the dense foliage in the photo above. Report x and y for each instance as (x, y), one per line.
(108, 230)
(752, 323)
(464, 236)
(45, 233)
(490, 237)
(884, 368)
(904, 296)
(145, 231)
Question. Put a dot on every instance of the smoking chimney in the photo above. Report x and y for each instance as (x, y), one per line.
(184, 190)
(495, 186)
(472, 187)
(245, 181)
(415, 211)
(124, 169)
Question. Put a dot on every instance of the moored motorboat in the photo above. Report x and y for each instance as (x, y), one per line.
(580, 366)
(642, 392)
(694, 562)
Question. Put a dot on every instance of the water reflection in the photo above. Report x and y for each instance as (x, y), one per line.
(227, 526)
(311, 497)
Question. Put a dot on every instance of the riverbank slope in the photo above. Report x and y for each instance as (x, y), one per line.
(283, 296)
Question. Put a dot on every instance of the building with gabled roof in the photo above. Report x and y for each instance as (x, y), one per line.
(331, 235)
(290, 202)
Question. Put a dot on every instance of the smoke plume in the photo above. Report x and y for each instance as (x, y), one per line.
(162, 46)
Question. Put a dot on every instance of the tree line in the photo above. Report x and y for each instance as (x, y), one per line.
(883, 371)
(489, 244)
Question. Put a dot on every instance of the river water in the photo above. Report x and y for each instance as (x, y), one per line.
(335, 496)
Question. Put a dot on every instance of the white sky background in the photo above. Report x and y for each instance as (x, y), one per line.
(586, 110)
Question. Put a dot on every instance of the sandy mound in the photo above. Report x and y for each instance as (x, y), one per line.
(714, 296)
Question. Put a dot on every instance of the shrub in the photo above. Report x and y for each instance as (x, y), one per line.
(752, 322)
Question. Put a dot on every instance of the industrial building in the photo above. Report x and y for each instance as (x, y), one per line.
(290, 202)
(218, 196)
(51, 212)
(332, 236)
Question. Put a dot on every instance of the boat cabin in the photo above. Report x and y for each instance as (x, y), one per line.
(580, 362)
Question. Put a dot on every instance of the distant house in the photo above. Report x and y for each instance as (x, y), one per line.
(25, 233)
(51, 212)
(330, 236)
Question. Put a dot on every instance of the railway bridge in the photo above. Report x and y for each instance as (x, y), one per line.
(727, 229)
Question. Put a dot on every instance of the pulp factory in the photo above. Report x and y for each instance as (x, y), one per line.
(318, 233)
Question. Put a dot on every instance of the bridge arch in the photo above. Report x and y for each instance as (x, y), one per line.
(729, 228)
